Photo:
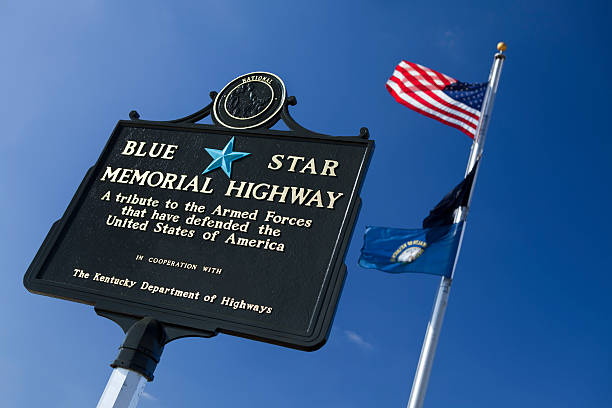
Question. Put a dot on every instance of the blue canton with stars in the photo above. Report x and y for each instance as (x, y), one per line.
(224, 158)
(470, 94)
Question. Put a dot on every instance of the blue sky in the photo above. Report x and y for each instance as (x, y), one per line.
(528, 322)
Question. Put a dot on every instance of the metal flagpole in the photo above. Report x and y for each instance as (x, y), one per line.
(428, 351)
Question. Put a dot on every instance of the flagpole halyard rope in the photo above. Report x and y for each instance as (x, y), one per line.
(428, 351)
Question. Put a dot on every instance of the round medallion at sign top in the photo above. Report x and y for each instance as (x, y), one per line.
(249, 101)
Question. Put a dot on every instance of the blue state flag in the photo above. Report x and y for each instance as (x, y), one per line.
(428, 250)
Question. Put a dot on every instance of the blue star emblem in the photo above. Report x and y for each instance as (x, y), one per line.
(224, 158)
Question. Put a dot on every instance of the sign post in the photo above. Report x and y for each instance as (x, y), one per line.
(138, 357)
(182, 229)
(123, 389)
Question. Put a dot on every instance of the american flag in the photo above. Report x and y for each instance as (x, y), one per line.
(438, 96)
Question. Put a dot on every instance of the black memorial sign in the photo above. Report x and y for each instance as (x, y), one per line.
(211, 229)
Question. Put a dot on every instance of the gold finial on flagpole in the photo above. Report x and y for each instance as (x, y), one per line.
(501, 46)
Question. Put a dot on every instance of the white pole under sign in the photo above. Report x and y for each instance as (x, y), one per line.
(135, 364)
(123, 389)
